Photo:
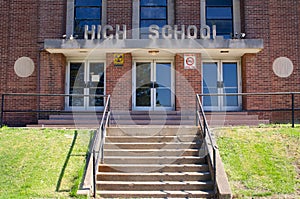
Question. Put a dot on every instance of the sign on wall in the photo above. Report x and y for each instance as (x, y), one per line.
(190, 61)
(118, 59)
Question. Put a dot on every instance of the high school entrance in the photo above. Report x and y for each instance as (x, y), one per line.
(153, 86)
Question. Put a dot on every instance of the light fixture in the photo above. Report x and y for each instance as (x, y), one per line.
(153, 52)
(224, 51)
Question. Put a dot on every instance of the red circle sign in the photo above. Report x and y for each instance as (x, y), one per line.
(190, 61)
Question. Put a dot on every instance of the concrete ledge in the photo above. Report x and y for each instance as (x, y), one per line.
(86, 187)
(223, 186)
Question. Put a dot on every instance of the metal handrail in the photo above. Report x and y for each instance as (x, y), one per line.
(99, 141)
(291, 94)
(206, 133)
(38, 110)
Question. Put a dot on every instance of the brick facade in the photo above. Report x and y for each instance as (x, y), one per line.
(26, 24)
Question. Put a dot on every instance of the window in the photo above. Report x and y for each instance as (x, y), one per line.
(152, 12)
(220, 13)
(86, 12)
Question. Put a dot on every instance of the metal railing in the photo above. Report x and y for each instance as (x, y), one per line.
(289, 106)
(207, 139)
(99, 141)
(18, 108)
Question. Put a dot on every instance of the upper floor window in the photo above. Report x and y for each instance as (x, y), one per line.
(220, 13)
(152, 12)
(86, 12)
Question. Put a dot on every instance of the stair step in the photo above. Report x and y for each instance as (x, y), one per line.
(156, 194)
(186, 176)
(153, 122)
(151, 152)
(154, 185)
(153, 160)
(157, 139)
(215, 123)
(152, 131)
(138, 168)
(152, 145)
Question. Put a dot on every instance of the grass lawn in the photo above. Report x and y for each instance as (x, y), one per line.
(41, 163)
(262, 161)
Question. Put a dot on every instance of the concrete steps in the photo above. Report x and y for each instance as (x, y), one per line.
(154, 162)
(156, 194)
(142, 118)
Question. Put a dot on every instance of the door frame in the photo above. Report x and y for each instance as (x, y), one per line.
(86, 63)
(153, 96)
(221, 106)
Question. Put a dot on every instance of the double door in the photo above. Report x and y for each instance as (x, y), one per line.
(221, 78)
(153, 86)
(85, 78)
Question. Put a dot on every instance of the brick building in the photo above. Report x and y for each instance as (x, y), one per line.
(149, 55)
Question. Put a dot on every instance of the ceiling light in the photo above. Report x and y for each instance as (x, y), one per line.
(153, 52)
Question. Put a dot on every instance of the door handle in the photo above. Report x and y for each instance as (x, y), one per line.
(220, 84)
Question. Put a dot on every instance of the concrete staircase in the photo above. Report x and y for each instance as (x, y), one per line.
(154, 162)
(92, 120)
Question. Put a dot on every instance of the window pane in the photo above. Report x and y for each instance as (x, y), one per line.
(88, 3)
(153, 2)
(231, 100)
(153, 13)
(230, 75)
(223, 26)
(163, 97)
(218, 2)
(88, 13)
(147, 23)
(219, 13)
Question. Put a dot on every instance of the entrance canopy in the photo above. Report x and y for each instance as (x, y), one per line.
(139, 47)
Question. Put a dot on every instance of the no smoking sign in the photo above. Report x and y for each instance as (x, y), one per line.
(189, 61)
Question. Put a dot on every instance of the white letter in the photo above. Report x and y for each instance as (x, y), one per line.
(119, 32)
(214, 31)
(195, 31)
(179, 32)
(205, 32)
(87, 32)
(99, 32)
(153, 30)
(104, 33)
(167, 32)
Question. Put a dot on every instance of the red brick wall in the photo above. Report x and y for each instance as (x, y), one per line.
(119, 82)
(277, 22)
(120, 12)
(187, 83)
(187, 12)
(52, 19)
(19, 38)
(52, 80)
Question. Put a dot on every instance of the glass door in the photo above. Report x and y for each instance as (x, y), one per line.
(221, 78)
(86, 78)
(153, 86)
(95, 80)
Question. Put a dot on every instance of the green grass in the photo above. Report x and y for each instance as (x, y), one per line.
(45, 163)
(263, 161)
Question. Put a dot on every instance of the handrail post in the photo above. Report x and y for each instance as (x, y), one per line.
(94, 174)
(197, 119)
(215, 169)
(293, 110)
(2, 110)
